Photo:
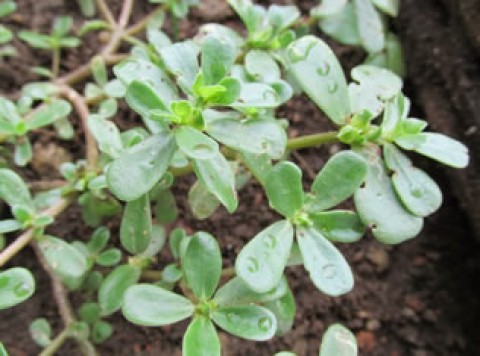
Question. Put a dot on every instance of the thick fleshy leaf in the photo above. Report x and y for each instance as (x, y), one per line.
(328, 7)
(328, 269)
(418, 192)
(202, 265)
(378, 205)
(339, 225)
(3, 351)
(339, 179)
(250, 322)
(166, 210)
(13, 190)
(396, 110)
(282, 16)
(237, 292)
(258, 164)
(261, 262)
(201, 338)
(16, 285)
(217, 58)
(7, 7)
(223, 33)
(67, 262)
(195, 144)
(390, 7)
(338, 341)
(257, 95)
(202, 203)
(106, 134)
(113, 287)
(57, 109)
(41, 332)
(254, 135)
(217, 175)
(370, 26)
(181, 60)
(342, 25)
(156, 242)
(10, 225)
(284, 189)
(23, 152)
(143, 97)
(320, 75)
(261, 66)
(436, 146)
(149, 305)
(136, 226)
(284, 310)
(140, 167)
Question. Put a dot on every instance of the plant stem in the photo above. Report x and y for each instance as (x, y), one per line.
(105, 12)
(314, 140)
(125, 14)
(41, 185)
(119, 31)
(28, 235)
(78, 102)
(56, 343)
(56, 54)
(142, 24)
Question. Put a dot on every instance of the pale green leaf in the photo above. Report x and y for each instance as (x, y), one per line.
(136, 226)
(201, 338)
(339, 225)
(16, 286)
(338, 341)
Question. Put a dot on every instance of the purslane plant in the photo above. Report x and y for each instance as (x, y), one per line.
(208, 107)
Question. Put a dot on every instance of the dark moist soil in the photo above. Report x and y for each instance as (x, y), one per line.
(420, 298)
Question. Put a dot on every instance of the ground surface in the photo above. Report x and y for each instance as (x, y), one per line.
(420, 298)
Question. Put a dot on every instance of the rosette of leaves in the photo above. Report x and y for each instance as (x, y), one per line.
(363, 23)
(233, 307)
(396, 196)
(261, 263)
(6, 35)
(17, 120)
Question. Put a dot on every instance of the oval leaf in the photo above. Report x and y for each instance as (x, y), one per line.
(339, 225)
(136, 226)
(284, 310)
(201, 338)
(13, 190)
(338, 341)
(370, 26)
(16, 285)
(195, 144)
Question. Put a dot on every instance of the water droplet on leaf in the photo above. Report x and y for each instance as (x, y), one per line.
(264, 323)
(269, 241)
(253, 265)
(22, 289)
(329, 271)
(332, 87)
(324, 69)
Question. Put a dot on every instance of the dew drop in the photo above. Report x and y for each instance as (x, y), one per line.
(324, 69)
(232, 317)
(300, 52)
(332, 87)
(270, 95)
(329, 271)
(265, 145)
(417, 192)
(264, 323)
(269, 241)
(253, 265)
(22, 289)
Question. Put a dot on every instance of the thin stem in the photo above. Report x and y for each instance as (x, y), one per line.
(142, 24)
(314, 140)
(28, 235)
(105, 12)
(56, 343)
(42, 185)
(81, 108)
(125, 14)
(56, 54)
(119, 31)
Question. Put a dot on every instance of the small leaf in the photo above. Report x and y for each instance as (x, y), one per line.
(140, 167)
(261, 66)
(23, 152)
(259, 164)
(7, 7)
(67, 262)
(61, 26)
(13, 190)
(10, 225)
(35, 40)
(283, 186)
(112, 289)
(217, 58)
(175, 240)
(156, 242)
(106, 134)
(41, 332)
(284, 310)
(93, 25)
(136, 226)
(339, 225)
(99, 70)
(109, 257)
(101, 331)
(339, 179)
(257, 95)
(202, 203)
(328, 269)
(99, 240)
(370, 26)
(89, 312)
(261, 262)
(342, 25)
(202, 265)
(181, 60)
(201, 338)
(249, 322)
(3, 351)
(195, 144)
(49, 113)
(378, 206)
(436, 146)
(338, 341)
(143, 98)
(320, 75)
(390, 7)
(149, 305)
(166, 210)
(16, 285)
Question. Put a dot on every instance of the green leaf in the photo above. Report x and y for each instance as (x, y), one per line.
(217, 58)
(181, 60)
(249, 322)
(106, 134)
(418, 192)
(41, 332)
(283, 186)
(99, 240)
(175, 240)
(370, 26)
(61, 26)
(282, 16)
(5, 35)
(339, 225)
(140, 167)
(201, 338)
(67, 262)
(143, 98)
(257, 95)
(13, 190)
(195, 144)
(389, 7)
(261, 66)
(341, 176)
(10, 225)
(396, 111)
(149, 305)
(101, 331)
(338, 341)
(16, 285)
(70, 42)
(3, 351)
(284, 310)
(109, 257)
(259, 164)
(156, 242)
(99, 70)
(236, 292)
(112, 289)
(89, 312)
(202, 203)
(53, 111)
(328, 7)
(23, 152)
(253, 135)
(378, 205)
(216, 173)
(166, 210)
(93, 25)
(7, 7)
(35, 40)
(136, 226)
(320, 75)
(328, 269)
(202, 265)
(342, 25)
(261, 262)
(438, 147)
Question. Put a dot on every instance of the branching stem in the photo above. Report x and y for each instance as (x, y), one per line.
(105, 12)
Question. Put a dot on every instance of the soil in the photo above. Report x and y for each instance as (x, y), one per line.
(419, 298)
